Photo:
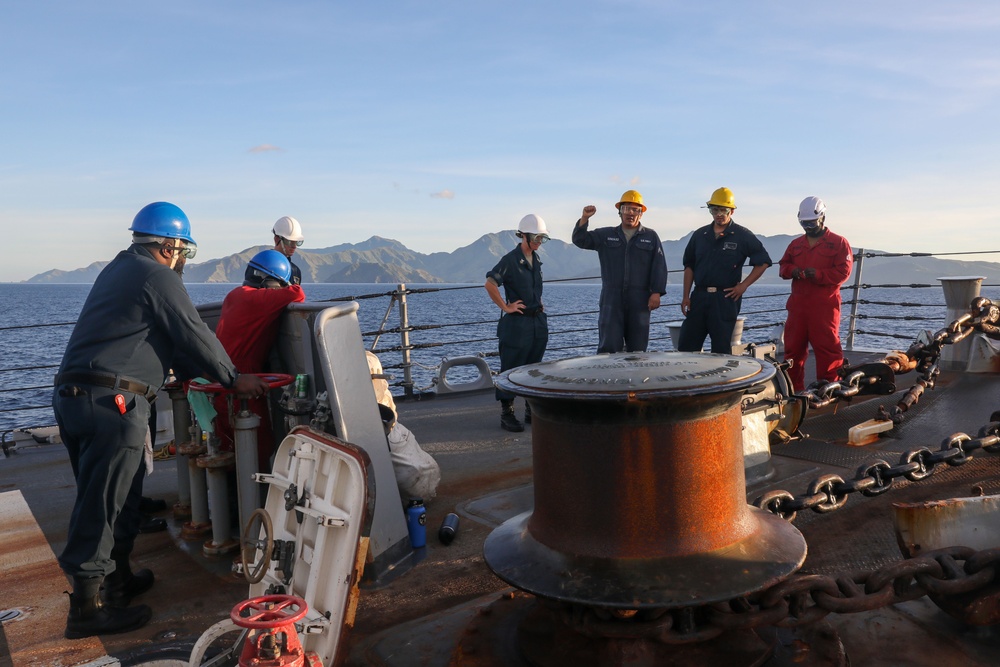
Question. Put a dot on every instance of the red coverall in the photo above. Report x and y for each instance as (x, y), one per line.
(814, 305)
(248, 327)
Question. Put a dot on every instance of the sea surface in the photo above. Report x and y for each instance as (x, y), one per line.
(450, 320)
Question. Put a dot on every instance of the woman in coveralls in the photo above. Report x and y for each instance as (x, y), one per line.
(523, 329)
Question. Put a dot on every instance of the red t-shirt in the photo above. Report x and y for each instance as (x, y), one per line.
(248, 324)
(247, 329)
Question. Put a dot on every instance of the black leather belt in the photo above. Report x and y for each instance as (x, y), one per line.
(109, 381)
(530, 312)
(710, 290)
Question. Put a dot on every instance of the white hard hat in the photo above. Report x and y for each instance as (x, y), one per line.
(289, 228)
(532, 224)
(811, 208)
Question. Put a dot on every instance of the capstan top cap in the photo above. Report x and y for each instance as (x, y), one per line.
(635, 375)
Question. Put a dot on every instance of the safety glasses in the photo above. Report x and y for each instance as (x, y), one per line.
(716, 210)
(537, 238)
(286, 242)
(187, 251)
(631, 210)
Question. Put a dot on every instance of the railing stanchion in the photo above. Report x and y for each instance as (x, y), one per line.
(404, 342)
(857, 297)
(388, 311)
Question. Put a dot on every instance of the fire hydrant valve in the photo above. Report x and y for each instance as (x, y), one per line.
(273, 640)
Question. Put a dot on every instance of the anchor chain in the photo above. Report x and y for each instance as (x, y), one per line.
(799, 600)
(875, 378)
(827, 493)
(879, 377)
(806, 598)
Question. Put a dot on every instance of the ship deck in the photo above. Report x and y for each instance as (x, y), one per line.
(418, 617)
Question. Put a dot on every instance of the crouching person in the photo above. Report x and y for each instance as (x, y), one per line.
(417, 473)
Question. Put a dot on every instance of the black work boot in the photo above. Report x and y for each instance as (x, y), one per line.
(508, 420)
(152, 505)
(88, 617)
(152, 524)
(122, 585)
(527, 412)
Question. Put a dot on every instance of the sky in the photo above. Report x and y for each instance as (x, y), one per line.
(434, 123)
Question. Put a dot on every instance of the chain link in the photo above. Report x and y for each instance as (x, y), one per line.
(799, 600)
(804, 599)
(879, 377)
(827, 493)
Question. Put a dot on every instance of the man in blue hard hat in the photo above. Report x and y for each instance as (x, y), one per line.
(247, 328)
(136, 323)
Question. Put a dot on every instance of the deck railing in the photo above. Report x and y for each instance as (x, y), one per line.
(404, 328)
(854, 316)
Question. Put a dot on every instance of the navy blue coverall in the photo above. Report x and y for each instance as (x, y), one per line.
(631, 271)
(717, 264)
(136, 317)
(522, 336)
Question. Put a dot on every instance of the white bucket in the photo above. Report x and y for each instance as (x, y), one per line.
(738, 331)
(675, 331)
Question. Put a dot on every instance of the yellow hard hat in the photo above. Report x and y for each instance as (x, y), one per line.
(631, 197)
(722, 197)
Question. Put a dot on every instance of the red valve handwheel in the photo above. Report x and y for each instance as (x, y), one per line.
(273, 380)
(269, 612)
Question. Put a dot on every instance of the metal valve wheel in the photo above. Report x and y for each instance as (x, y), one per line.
(273, 380)
(254, 569)
(269, 612)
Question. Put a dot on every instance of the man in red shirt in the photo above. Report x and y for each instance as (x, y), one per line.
(248, 327)
(817, 263)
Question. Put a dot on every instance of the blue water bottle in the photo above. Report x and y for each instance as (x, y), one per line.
(416, 522)
(446, 533)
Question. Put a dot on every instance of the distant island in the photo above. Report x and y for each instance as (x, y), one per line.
(380, 260)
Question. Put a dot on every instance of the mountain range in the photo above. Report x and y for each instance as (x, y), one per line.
(381, 260)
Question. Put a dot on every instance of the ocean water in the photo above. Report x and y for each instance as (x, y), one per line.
(449, 320)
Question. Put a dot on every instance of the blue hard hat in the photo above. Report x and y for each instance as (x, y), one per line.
(272, 263)
(162, 219)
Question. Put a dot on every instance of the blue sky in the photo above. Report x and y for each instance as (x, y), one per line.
(434, 123)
